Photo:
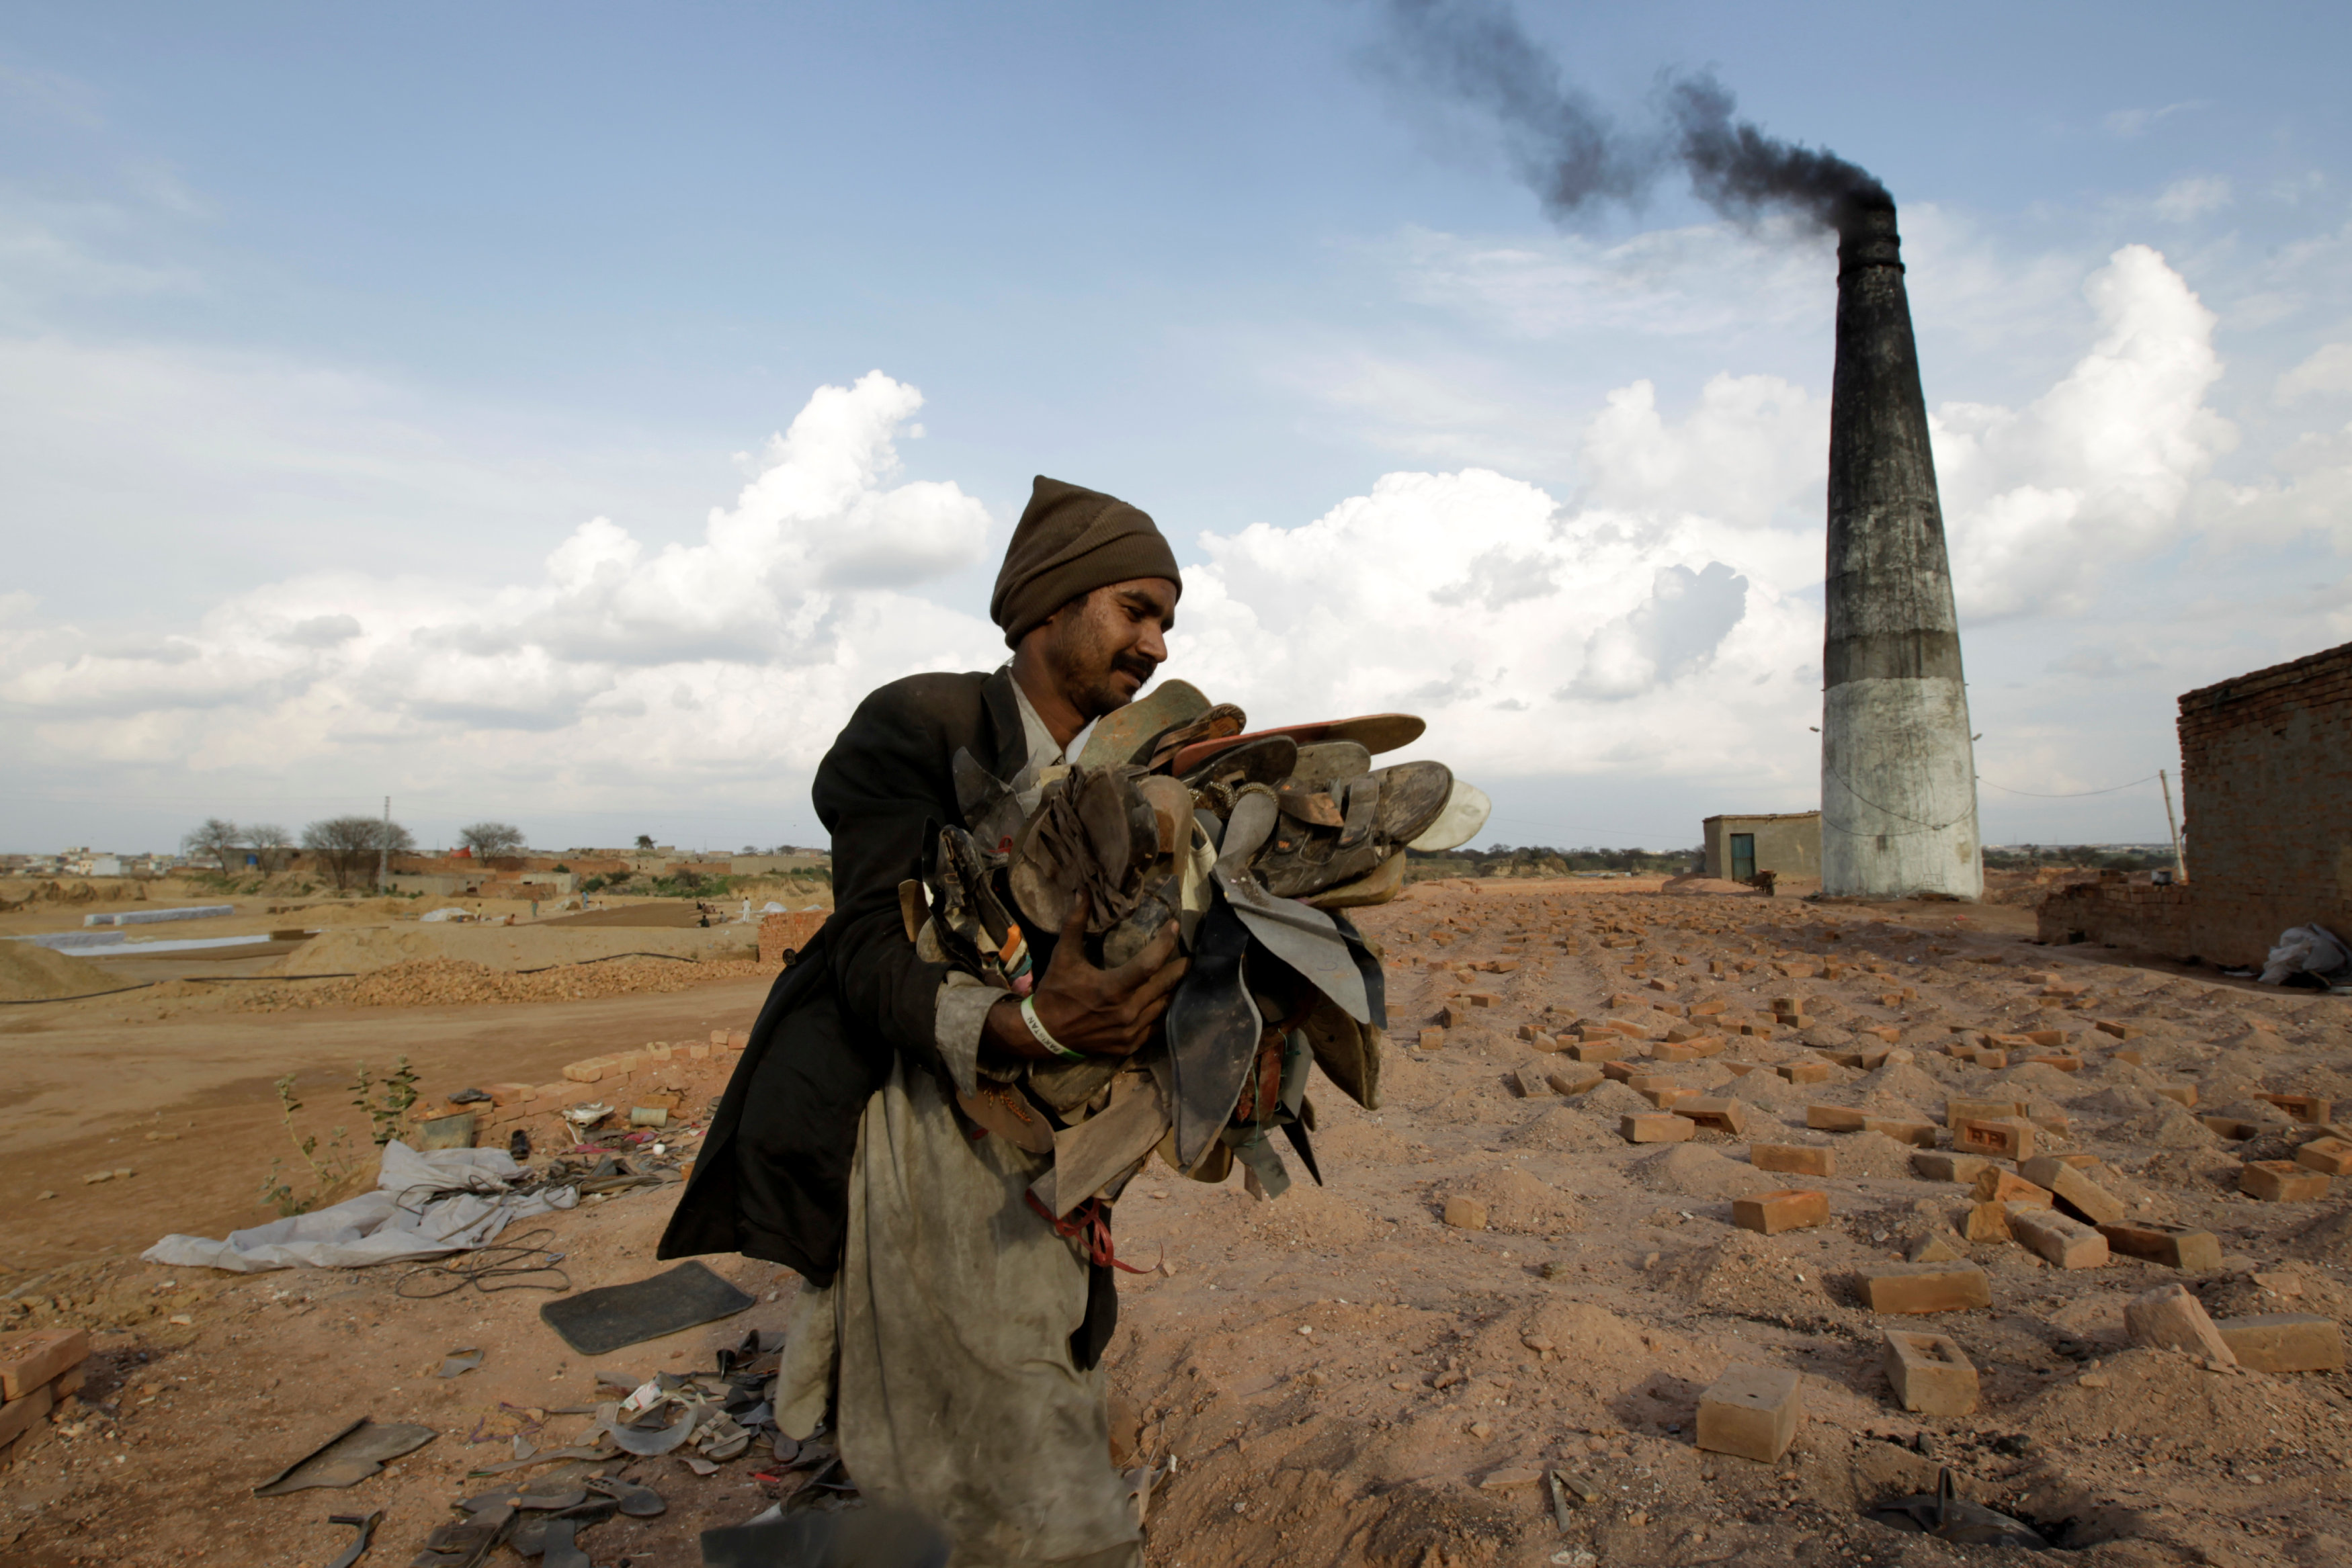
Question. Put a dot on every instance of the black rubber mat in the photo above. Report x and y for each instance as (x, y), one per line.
(596, 1322)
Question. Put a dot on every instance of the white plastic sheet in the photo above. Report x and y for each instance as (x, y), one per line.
(2307, 950)
(425, 1204)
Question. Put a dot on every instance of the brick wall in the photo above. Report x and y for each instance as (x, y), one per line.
(778, 932)
(2266, 775)
(2123, 913)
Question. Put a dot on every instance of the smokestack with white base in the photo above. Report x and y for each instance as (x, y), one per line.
(1898, 771)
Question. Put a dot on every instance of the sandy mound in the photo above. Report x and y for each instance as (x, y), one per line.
(1754, 1276)
(1611, 1100)
(2327, 1240)
(28, 973)
(1562, 1129)
(1695, 1170)
(2158, 1395)
(2167, 1126)
(1517, 1202)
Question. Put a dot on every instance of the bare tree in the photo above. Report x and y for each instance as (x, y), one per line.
(213, 839)
(488, 839)
(348, 846)
(270, 844)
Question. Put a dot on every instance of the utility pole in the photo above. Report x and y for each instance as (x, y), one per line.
(383, 849)
(2179, 867)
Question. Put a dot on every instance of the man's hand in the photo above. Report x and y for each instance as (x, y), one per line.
(1099, 1012)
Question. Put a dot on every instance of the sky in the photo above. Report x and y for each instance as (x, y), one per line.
(564, 414)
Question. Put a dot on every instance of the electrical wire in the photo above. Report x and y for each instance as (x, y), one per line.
(504, 1261)
(2072, 794)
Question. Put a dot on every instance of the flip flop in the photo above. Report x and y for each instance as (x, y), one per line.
(1323, 764)
(636, 1501)
(365, 1524)
(1116, 736)
(1300, 936)
(1412, 795)
(1466, 812)
(1375, 732)
(1347, 1052)
(1267, 760)
(1378, 885)
(1212, 1035)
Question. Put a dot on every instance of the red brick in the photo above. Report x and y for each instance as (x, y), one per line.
(1790, 1209)
(36, 1356)
(1795, 1159)
(2280, 1181)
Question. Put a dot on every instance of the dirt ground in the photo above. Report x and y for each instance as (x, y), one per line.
(1342, 1378)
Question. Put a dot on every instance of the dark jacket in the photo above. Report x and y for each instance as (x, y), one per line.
(772, 1177)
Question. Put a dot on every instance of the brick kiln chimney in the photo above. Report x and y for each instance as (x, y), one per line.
(1899, 772)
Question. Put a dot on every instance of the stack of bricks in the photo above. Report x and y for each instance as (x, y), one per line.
(38, 1368)
(694, 1071)
(788, 933)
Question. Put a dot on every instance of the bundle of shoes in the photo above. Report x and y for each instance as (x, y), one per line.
(1255, 845)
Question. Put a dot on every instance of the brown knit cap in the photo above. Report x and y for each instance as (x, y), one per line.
(1068, 542)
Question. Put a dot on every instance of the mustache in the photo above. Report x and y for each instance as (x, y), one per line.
(1135, 664)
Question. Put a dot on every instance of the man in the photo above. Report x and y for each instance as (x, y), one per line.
(958, 1333)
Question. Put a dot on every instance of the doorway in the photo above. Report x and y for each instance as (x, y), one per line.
(1743, 856)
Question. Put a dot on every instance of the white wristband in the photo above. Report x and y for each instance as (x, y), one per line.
(1043, 1035)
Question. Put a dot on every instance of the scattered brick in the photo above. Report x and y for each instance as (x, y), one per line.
(38, 1357)
(2076, 1194)
(1431, 1039)
(1958, 1110)
(1987, 1222)
(2280, 1181)
(2007, 1138)
(1797, 1159)
(2183, 1094)
(2120, 1030)
(2229, 1127)
(1790, 1209)
(1805, 1072)
(1657, 1127)
(2330, 1157)
(1920, 1134)
(2177, 1247)
(1723, 1115)
(1916, 1288)
(1937, 1247)
(1575, 1083)
(2284, 1342)
(2302, 1107)
(2057, 1237)
(1933, 1166)
(18, 1415)
(1930, 1373)
(2170, 1318)
(1751, 1413)
(1834, 1119)
(1465, 1214)
(1998, 1186)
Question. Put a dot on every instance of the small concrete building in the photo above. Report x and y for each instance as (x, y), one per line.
(1786, 843)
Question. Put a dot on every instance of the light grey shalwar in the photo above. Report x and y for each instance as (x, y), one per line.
(945, 1338)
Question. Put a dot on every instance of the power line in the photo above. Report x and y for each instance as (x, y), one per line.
(2071, 795)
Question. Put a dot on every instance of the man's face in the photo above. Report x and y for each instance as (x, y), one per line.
(1102, 649)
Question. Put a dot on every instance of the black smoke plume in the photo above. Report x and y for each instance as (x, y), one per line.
(1575, 157)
